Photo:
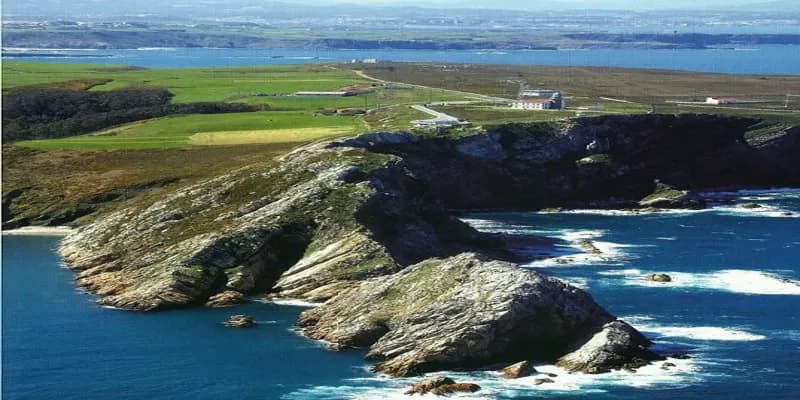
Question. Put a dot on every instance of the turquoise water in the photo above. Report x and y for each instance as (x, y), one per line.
(742, 327)
(764, 59)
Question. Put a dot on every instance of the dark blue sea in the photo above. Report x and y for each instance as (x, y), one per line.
(762, 59)
(734, 305)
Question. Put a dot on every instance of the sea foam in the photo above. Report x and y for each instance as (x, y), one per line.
(733, 280)
(684, 373)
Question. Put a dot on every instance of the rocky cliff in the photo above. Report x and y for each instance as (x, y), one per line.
(366, 225)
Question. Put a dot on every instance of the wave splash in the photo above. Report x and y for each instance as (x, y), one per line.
(731, 280)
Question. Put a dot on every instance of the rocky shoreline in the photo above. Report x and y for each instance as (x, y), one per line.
(366, 225)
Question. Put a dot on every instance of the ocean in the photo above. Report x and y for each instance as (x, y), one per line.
(761, 59)
(733, 305)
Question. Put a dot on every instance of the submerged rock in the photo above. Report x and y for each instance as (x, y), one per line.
(663, 278)
(751, 206)
(541, 381)
(240, 321)
(588, 247)
(679, 356)
(518, 370)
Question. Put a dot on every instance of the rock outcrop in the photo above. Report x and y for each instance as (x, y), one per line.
(518, 370)
(366, 225)
(225, 299)
(666, 196)
(661, 278)
(464, 311)
(616, 346)
(240, 321)
(441, 386)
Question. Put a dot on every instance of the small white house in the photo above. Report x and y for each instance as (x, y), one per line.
(720, 100)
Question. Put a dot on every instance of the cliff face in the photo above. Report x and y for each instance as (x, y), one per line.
(604, 161)
(364, 224)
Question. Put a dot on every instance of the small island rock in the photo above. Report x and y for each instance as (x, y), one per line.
(441, 386)
(518, 370)
(751, 205)
(662, 278)
(240, 321)
(667, 196)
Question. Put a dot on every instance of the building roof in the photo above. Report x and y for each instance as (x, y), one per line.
(534, 101)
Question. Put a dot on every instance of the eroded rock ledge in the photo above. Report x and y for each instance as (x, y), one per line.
(366, 225)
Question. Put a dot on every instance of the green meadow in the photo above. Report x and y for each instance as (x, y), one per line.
(284, 118)
(186, 130)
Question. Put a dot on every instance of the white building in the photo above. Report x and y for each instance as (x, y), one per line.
(720, 100)
(531, 104)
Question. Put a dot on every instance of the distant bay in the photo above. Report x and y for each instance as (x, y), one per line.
(761, 59)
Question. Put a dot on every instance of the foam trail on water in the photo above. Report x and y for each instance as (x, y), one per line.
(703, 333)
(733, 280)
(290, 302)
(574, 252)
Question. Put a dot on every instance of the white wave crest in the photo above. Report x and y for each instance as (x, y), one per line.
(703, 333)
(289, 302)
(683, 373)
(737, 281)
(574, 252)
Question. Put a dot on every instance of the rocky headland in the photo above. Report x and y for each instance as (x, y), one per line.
(367, 225)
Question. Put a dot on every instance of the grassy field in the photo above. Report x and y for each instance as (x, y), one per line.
(290, 119)
(186, 130)
(613, 90)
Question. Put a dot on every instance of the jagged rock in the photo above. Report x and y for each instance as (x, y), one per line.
(541, 381)
(587, 246)
(446, 390)
(441, 386)
(463, 310)
(225, 299)
(240, 321)
(667, 196)
(679, 356)
(427, 385)
(662, 278)
(337, 347)
(616, 346)
(667, 365)
(518, 370)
